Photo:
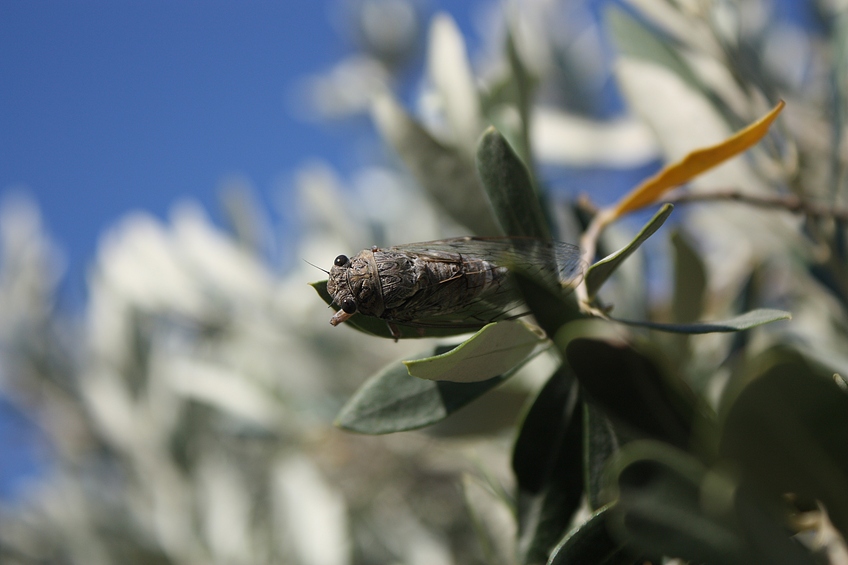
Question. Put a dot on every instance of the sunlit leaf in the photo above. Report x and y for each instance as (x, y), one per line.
(393, 401)
(695, 163)
(495, 349)
(448, 65)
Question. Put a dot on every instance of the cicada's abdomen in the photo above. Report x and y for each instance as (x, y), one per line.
(436, 285)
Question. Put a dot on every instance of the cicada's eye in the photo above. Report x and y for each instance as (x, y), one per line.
(340, 261)
(348, 304)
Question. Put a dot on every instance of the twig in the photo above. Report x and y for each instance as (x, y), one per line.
(605, 216)
(789, 203)
(588, 246)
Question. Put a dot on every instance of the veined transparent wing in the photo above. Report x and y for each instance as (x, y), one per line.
(552, 260)
(556, 264)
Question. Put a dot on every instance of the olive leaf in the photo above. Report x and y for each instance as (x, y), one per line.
(591, 542)
(631, 388)
(446, 173)
(546, 460)
(786, 426)
(510, 187)
(492, 351)
(634, 39)
(508, 102)
(597, 274)
(393, 401)
(695, 163)
(741, 322)
(669, 503)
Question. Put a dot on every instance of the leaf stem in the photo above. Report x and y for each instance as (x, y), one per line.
(588, 246)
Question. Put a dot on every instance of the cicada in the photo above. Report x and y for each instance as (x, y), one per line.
(459, 282)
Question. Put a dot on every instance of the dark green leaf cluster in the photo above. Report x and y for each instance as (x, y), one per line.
(613, 426)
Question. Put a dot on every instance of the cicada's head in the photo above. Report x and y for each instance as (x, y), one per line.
(354, 285)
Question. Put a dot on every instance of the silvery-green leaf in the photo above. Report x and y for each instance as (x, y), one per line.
(510, 188)
(490, 352)
(633, 39)
(451, 73)
(744, 321)
(598, 273)
(493, 520)
(393, 401)
(566, 139)
(448, 175)
(309, 512)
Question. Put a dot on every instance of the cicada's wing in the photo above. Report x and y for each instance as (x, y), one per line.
(555, 263)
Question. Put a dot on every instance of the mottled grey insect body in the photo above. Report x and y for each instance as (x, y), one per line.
(461, 282)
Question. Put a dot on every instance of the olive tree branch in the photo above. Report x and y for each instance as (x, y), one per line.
(605, 216)
(789, 203)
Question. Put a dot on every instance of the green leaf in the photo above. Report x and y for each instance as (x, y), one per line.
(542, 430)
(598, 273)
(788, 430)
(600, 442)
(378, 327)
(450, 71)
(493, 350)
(510, 188)
(690, 280)
(669, 504)
(659, 508)
(492, 515)
(687, 302)
(525, 84)
(744, 321)
(590, 543)
(632, 389)
(446, 173)
(394, 401)
(546, 461)
(634, 39)
(507, 103)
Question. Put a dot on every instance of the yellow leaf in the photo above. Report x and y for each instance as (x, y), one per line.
(694, 164)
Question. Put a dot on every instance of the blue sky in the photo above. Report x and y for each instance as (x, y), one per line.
(112, 106)
(108, 107)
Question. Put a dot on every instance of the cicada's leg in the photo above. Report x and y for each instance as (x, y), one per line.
(394, 330)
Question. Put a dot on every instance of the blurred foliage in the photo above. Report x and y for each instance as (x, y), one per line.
(188, 413)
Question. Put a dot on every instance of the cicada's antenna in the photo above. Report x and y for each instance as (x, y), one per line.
(330, 305)
(316, 266)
